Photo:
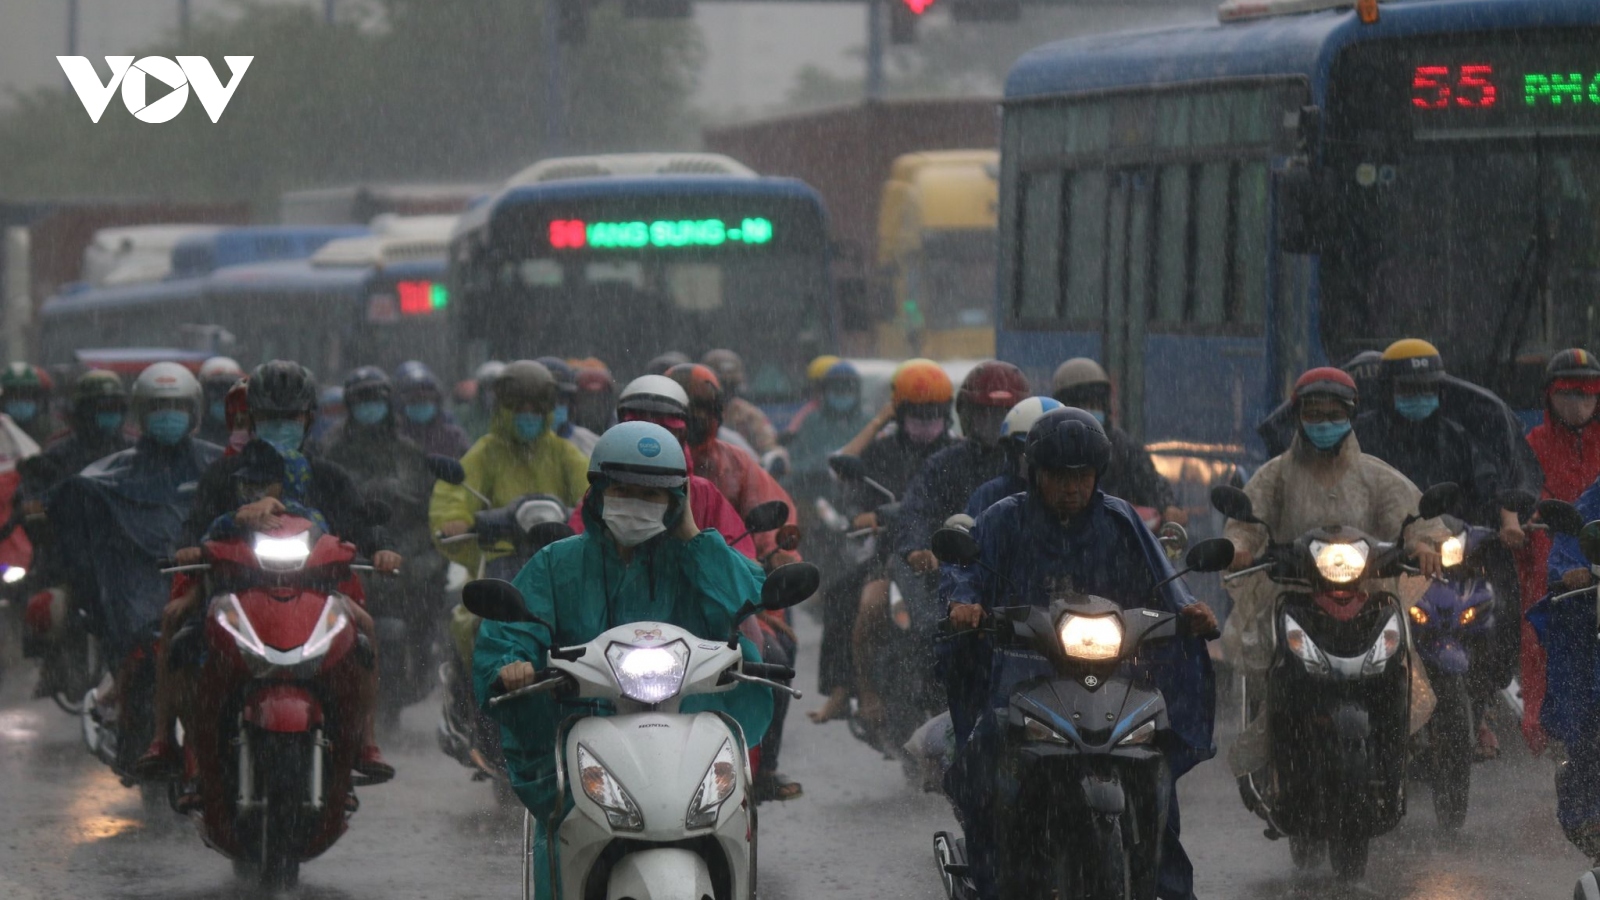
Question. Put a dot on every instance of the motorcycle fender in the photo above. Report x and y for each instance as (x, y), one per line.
(283, 708)
(1103, 794)
(1451, 657)
(660, 874)
(1352, 725)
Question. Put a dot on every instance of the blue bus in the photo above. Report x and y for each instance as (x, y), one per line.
(627, 261)
(1209, 210)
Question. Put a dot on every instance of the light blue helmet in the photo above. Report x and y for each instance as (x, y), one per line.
(639, 453)
(1022, 416)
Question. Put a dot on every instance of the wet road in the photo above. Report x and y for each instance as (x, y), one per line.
(69, 830)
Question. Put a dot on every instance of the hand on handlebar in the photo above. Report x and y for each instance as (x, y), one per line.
(1573, 579)
(922, 561)
(966, 616)
(386, 561)
(1199, 619)
(518, 675)
(262, 515)
(188, 556)
(1512, 535)
(455, 529)
(865, 520)
(1429, 563)
(1242, 559)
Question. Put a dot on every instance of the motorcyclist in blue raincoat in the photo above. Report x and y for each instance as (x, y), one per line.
(1064, 533)
(640, 558)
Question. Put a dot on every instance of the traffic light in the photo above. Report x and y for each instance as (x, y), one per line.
(903, 16)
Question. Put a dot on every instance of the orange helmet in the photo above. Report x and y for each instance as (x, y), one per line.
(702, 386)
(920, 381)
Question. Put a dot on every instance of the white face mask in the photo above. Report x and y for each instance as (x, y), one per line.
(632, 522)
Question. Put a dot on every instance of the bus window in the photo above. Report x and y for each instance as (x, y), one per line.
(1039, 268)
(1172, 253)
(1086, 247)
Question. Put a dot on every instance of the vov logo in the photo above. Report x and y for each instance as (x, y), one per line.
(187, 72)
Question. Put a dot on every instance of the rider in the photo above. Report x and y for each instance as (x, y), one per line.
(117, 519)
(566, 392)
(1065, 528)
(476, 414)
(1014, 438)
(642, 557)
(594, 406)
(814, 436)
(97, 422)
(853, 607)
(1567, 445)
(520, 455)
(743, 416)
(217, 375)
(1082, 383)
(420, 397)
(25, 393)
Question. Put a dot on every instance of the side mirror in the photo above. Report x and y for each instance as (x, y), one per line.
(1234, 503)
(769, 516)
(497, 601)
(1211, 555)
(1563, 518)
(1589, 541)
(546, 533)
(445, 469)
(788, 538)
(1520, 502)
(954, 546)
(1439, 499)
(788, 585)
(848, 468)
(960, 522)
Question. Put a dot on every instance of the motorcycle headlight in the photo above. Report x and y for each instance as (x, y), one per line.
(716, 786)
(13, 574)
(1340, 563)
(230, 615)
(1386, 646)
(282, 554)
(1419, 615)
(1453, 551)
(1034, 730)
(607, 792)
(1301, 645)
(1141, 735)
(1090, 637)
(1468, 616)
(649, 674)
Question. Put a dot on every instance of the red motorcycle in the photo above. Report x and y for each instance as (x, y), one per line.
(277, 724)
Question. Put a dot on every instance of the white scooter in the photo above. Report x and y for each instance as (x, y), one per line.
(663, 807)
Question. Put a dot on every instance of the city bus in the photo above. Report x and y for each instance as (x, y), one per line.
(936, 251)
(625, 257)
(1209, 210)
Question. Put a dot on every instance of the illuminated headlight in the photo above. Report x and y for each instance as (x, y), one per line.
(13, 574)
(1091, 637)
(607, 792)
(282, 554)
(1340, 563)
(716, 786)
(1420, 615)
(1468, 616)
(1301, 645)
(1034, 730)
(1453, 551)
(649, 674)
(1140, 735)
(1386, 646)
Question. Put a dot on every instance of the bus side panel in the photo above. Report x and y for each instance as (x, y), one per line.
(1205, 390)
(1038, 353)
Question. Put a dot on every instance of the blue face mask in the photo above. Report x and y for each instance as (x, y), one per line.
(841, 402)
(167, 426)
(558, 418)
(22, 410)
(529, 425)
(108, 422)
(218, 411)
(1416, 407)
(1326, 435)
(421, 413)
(282, 434)
(370, 413)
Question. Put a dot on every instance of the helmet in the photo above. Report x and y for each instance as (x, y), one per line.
(1326, 382)
(1412, 360)
(1573, 364)
(413, 377)
(700, 385)
(1067, 438)
(166, 381)
(367, 383)
(728, 366)
(488, 371)
(21, 378)
(842, 373)
(994, 383)
(566, 377)
(665, 361)
(1077, 374)
(1364, 365)
(654, 394)
(920, 381)
(594, 380)
(819, 367)
(282, 387)
(220, 369)
(639, 453)
(98, 384)
(526, 381)
(1020, 420)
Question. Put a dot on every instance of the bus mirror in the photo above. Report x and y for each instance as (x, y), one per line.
(1308, 128)
(1304, 209)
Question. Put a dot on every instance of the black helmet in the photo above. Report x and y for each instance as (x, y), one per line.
(367, 383)
(665, 361)
(566, 377)
(1574, 363)
(1067, 438)
(282, 387)
(98, 385)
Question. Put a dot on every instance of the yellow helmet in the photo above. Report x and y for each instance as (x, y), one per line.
(1412, 359)
(819, 367)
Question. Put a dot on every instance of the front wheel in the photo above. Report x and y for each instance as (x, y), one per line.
(1349, 857)
(1098, 870)
(1306, 852)
(1451, 740)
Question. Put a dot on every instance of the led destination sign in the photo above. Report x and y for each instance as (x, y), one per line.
(1521, 91)
(665, 234)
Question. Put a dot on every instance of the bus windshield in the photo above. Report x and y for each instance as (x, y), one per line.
(952, 279)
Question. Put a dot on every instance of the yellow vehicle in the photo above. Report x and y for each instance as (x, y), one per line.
(937, 229)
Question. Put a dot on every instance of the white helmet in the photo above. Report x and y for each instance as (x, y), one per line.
(165, 381)
(220, 367)
(655, 394)
(1019, 421)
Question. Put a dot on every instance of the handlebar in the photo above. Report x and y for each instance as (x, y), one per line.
(1233, 576)
(544, 685)
(457, 539)
(769, 671)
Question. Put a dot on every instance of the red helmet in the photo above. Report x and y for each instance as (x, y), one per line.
(1326, 382)
(994, 383)
(702, 386)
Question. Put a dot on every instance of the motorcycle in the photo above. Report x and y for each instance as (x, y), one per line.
(1080, 747)
(56, 631)
(1338, 690)
(119, 735)
(645, 819)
